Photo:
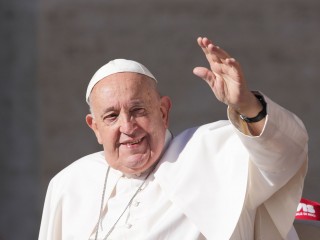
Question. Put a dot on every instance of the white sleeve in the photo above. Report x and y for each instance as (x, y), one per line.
(278, 163)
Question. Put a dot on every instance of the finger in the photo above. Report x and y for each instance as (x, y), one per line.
(215, 82)
(232, 62)
(212, 52)
(229, 63)
(219, 89)
(207, 48)
(236, 69)
(199, 41)
(205, 74)
(210, 48)
(203, 42)
(202, 45)
(206, 42)
(218, 52)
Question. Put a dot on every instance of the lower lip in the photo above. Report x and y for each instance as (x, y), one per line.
(131, 146)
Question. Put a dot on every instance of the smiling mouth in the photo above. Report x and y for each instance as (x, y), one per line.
(132, 143)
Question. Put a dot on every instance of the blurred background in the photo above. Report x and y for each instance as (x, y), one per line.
(50, 49)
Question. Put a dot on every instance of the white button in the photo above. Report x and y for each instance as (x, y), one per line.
(135, 203)
(128, 225)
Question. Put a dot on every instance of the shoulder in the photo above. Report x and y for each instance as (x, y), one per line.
(214, 126)
(211, 135)
(82, 168)
(80, 180)
(222, 126)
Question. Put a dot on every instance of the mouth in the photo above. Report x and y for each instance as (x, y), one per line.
(132, 143)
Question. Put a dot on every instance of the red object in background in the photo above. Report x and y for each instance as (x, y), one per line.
(308, 210)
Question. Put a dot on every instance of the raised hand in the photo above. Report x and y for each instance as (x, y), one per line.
(228, 84)
(226, 79)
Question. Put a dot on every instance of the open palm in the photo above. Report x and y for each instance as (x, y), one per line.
(225, 76)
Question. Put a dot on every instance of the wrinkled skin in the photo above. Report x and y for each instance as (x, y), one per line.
(129, 118)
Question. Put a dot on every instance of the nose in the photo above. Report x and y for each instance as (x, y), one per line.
(128, 125)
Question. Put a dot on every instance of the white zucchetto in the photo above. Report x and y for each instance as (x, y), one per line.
(117, 66)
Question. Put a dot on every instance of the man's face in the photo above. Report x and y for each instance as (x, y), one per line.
(129, 119)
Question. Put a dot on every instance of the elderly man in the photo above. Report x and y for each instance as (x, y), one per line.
(236, 179)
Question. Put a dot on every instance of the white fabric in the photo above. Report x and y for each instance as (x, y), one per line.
(151, 215)
(213, 182)
(116, 66)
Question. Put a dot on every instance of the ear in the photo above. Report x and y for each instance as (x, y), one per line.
(165, 109)
(93, 125)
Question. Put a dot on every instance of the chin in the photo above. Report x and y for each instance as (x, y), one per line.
(138, 167)
(134, 163)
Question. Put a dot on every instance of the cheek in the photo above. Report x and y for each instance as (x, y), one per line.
(108, 139)
(99, 138)
(152, 127)
(157, 133)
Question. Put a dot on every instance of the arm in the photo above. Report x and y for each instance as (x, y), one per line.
(228, 84)
(281, 147)
(278, 156)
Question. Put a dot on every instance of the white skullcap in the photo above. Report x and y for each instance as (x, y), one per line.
(117, 66)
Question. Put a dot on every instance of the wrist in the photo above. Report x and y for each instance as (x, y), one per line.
(258, 113)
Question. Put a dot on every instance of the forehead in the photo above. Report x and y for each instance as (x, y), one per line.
(123, 87)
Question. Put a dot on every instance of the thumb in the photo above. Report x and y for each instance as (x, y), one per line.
(204, 73)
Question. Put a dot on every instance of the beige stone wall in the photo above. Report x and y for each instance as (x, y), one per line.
(277, 43)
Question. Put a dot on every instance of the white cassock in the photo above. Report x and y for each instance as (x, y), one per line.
(212, 182)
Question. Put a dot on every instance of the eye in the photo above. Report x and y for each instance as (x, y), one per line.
(138, 111)
(111, 117)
